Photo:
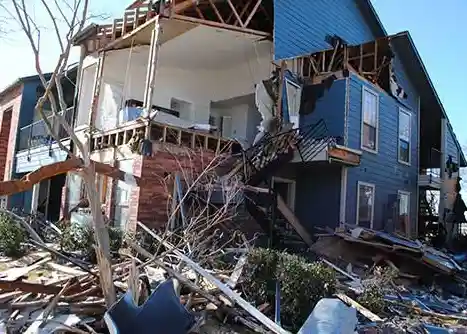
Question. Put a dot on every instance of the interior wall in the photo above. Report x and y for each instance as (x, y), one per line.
(124, 78)
(245, 116)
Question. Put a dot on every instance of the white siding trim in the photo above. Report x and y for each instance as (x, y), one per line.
(371, 185)
(343, 201)
(366, 89)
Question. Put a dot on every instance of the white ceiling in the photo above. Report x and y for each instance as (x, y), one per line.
(206, 47)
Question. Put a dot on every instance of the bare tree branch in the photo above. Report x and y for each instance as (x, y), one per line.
(54, 94)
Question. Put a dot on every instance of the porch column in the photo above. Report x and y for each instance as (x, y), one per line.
(96, 89)
(442, 164)
(152, 66)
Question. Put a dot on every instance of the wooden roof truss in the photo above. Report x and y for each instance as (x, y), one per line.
(249, 16)
(372, 60)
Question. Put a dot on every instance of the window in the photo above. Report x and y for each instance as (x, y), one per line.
(404, 136)
(404, 213)
(365, 204)
(370, 110)
(294, 96)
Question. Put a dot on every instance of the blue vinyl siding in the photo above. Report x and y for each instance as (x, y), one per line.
(331, 108)
(26, 115)
(317, 197)
(451, 147)
(301, 26)
(383, 169)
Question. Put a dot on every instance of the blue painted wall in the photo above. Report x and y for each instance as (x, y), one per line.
(383, 169)
(317, 199)
(330, 107)
(26, 114)
(301, 26)
(451, 147)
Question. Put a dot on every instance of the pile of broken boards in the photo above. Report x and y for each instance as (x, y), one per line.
(175, 292)
(423, 289)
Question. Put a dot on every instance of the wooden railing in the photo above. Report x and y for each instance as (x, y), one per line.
(162, 133)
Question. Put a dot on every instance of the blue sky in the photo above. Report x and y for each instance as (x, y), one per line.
(437, 28)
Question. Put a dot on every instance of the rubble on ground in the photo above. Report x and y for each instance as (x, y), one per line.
(207, 277)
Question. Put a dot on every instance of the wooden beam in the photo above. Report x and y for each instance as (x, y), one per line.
(43, 173)
(234, 11)
(221, 25)
(253, 12)
(219, 16)
(46, 172)
(293, 220)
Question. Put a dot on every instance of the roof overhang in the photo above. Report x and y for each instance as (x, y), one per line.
(429, 99)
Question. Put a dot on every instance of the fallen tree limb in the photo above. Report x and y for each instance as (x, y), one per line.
(271, 325)
(62, 167)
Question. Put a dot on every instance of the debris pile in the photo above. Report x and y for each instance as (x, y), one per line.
(202, 273)
(398, 285)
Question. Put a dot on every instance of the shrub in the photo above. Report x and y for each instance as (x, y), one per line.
(302, 283)
(80, 238)
(12, 236)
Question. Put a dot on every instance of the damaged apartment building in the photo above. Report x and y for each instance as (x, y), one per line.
(26, 144)
(349, 113)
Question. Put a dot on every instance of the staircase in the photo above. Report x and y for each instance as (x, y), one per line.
(259, 164)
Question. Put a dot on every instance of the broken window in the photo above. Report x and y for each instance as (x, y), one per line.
(404, 210)
(370, 106)
(365, 204)
(404, 136)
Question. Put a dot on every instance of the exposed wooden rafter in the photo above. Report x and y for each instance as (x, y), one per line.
(371, 60)
(248, 16)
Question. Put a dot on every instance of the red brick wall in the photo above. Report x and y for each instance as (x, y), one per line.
(5, 126)
(150, 203)
(8, 137)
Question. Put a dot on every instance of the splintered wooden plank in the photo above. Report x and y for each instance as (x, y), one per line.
(293, 220)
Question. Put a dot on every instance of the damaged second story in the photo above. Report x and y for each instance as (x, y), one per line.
(178, 75)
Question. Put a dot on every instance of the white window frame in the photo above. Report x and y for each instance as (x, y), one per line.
(408, 113)
(371, 185)
(408, 194)
(292, 189)
(365, 90)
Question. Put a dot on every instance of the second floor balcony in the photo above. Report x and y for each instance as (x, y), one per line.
(37, 147)
(36, 134)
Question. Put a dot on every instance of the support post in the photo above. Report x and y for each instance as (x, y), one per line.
(152, 70)
(151, 73)
(442, 195)
(96, 89)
